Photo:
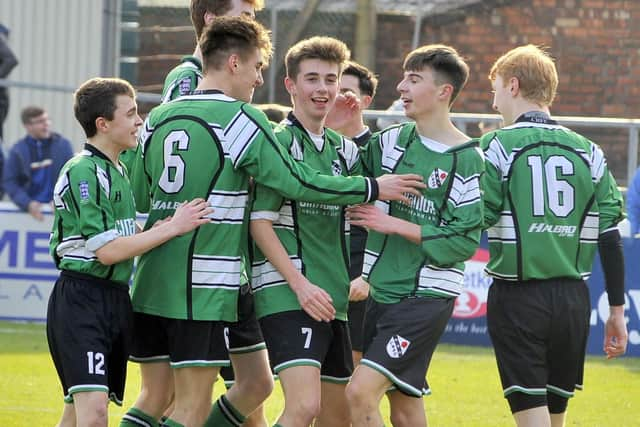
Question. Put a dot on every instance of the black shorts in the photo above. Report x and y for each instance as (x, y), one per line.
(539, 331)
(188, 343)
(295, 339)
(89, 334)
(400, 338)
(357, 310)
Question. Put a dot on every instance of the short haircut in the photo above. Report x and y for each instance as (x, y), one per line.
(233, 34)
(97, 98)
(535, 70)
(274, 112)
(218, 7)
(445, 62)
(367, 81)
(318, 47)
(29, 113)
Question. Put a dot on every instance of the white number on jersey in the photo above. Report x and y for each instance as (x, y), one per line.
(172, 178)
(560, 194)
(308, 332)
(95, 362)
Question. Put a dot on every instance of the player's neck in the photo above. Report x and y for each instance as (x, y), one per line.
(310, 123)
(438, 126)
(521, 106)
(216, 80)
(106, 147)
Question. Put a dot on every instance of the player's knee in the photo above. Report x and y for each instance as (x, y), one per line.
(306, 409)
(557, 404)
(260, 387)
(356, 395)
(523, 401)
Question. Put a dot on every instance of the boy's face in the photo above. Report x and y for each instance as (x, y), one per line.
(314, 89)
(123, 129)
(420, 93)
(502, 99)
(248, 76)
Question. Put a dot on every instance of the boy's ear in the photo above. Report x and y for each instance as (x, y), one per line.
(232, 62)
(365, 102)
(514, 86)
(446, 91)
(290, 85)
(101, 124)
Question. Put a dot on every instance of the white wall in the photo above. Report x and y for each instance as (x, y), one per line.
(57, 42)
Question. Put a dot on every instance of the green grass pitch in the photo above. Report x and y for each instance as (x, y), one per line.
(464, 380)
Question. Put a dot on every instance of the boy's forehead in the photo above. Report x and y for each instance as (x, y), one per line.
(318, 66)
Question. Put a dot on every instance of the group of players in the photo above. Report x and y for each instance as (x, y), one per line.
(210, 170)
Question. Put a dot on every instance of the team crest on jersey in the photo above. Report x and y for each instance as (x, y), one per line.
(336, 167)
(397, 346)
(185, 86)
(83, 186)
(437, 177)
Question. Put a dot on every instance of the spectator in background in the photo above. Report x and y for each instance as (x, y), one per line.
(7, 63)
(633, 204)
(34, 162)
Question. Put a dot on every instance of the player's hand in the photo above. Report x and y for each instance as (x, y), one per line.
(397, 187)
(35, 210)
(358, 289)
(315, 301)
(159, 222)
(371, 217)
(190, 215)
(615, 333)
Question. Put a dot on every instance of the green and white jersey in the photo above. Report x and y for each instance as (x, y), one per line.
(548, 196)
(313, 234)
(449, 213)
(93, 206)
(182, 79)
(207, 145)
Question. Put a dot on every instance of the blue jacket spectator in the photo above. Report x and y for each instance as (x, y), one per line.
(633, 204)
(34, 162)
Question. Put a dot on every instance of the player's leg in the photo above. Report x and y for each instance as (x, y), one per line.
(356, 328)
(257, 418)
(301, 387)
(193, 387)
(567, 346)
(91, 408)
(519, 320)
(68, 418)
(150, 348)
(363, 393)
(406, 411)
(336, 371)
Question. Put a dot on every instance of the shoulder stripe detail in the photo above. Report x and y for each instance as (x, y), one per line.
(215, 272)
(238, 136)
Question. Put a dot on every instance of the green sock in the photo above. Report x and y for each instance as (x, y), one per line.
(136, 418)
(277, 425)
(170, 423)
(223, 414)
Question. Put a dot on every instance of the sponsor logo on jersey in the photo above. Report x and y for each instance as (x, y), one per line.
(421, 204)
(336, 167)
(126, 227)
(185, 86)
(83, 186)
(160, 205)
(397, 346)
(560, 230)
(437, 177)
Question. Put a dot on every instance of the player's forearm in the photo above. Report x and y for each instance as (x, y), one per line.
(267, 240)
(612, 259)
(127, 247)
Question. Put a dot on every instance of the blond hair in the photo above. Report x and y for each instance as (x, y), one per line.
(535, 70)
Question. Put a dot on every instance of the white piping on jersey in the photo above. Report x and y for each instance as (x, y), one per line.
(549, 126)
(383, 205)
(446, 280)
(60, 189)
(228, 206)
(465, 191)
(265, 275)
(104, 181)
(144, 134)
(238, 136)
(268, 215)
(391, 152)
(504, 230)
(591, 228)
(74, 247)
(449, 281)
(99, 240)
(215, 272)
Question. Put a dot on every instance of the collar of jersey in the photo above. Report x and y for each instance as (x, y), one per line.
(207, 92)
(295, 122)
(536, 117)
(95, 152)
